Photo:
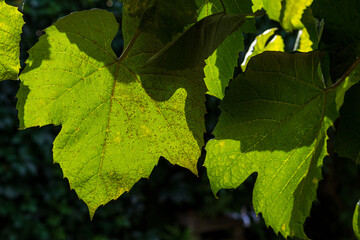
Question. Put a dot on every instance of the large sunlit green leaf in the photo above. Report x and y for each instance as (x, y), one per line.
(348, 134)
(117, 117)
(11, 23)
(221, 64)
(274, 122)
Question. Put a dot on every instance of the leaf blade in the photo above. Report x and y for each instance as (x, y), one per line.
(267, 126)
(11, 23)
(117, 118)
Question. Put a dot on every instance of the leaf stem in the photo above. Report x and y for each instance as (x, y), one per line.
(346, 74)
(129, 46)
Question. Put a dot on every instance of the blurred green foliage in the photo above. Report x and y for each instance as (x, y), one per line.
(36, 202)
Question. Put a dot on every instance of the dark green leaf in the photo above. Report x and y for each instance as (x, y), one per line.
(166, 18)
(198, 42)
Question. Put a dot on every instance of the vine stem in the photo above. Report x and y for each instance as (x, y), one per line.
(129, 46)
(346, 74)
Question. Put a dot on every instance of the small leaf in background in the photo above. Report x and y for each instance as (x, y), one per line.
(262, 44)
(11, 23)
(347, 142)
(309, 37)
(289, 16)
(221, 64)
(274, 122)
(272, 8)
(117, 118)
(293, 13)
(356, 221)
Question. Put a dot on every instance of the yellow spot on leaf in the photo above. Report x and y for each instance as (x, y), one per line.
(222, 143)
(283, 227)
(315, 180)
(146, 130)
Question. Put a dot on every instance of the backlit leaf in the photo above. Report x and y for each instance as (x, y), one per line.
(260, 44)
(11, 23)
(221, 64)
(293, 10)
(274, 122)
(117, 117)
(356, 221)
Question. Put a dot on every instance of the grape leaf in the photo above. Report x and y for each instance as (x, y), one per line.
(356, 221)
(198, 42)
(260, 44)
(287, 12)
(221, 64)
(117, 118)
(166, 18)
(347, 142)
(274, 122)
(11, 23)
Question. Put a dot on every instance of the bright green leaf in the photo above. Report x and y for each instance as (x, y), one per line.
(198, 42)
(293, 10)
(356, 221)
(11, 23)
(260, 45)
(117, 117)
(274, 122)
(309, 36)
(347, 142)
(221, 64)
(272, 7)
